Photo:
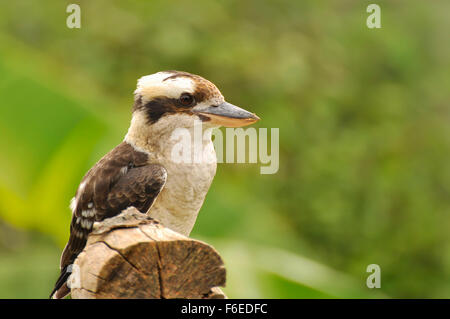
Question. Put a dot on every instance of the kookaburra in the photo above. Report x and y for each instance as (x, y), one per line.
(141, 171)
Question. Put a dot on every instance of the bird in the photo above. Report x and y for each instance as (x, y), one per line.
(142, 171)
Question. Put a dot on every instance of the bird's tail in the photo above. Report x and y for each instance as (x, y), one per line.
(74, 246)
(61, 289)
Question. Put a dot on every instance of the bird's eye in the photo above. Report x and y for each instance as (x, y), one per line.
(186, 99)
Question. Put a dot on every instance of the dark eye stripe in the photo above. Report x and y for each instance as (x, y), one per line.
(162, 105)
(156, 108)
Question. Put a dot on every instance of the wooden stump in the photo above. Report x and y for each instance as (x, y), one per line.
(133, 256)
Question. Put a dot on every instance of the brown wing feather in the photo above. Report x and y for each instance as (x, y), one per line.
(122, 178)
(137, 188)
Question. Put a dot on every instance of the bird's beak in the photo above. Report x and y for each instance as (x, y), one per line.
(228, 115)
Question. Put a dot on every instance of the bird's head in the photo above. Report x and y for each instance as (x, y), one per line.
(179, 97)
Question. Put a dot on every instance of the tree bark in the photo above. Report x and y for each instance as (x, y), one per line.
(133, 256)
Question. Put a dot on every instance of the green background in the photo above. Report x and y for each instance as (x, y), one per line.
(363, 116)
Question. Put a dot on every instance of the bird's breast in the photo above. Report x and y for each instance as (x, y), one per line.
(179, 202)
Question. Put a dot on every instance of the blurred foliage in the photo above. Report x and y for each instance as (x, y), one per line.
(364, 135)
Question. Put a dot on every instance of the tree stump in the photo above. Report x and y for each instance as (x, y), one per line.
(133, 256)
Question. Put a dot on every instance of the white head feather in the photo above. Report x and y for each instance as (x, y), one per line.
(158, 84)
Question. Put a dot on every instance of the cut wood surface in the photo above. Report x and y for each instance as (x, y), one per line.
(133, 256)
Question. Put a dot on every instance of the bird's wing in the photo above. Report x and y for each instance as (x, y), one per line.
(121, 179)
(138, 188)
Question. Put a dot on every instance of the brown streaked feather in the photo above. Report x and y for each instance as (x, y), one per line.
(97, 183)
(137, 188)
(122, 178)
(203, 87)
(176, 74)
